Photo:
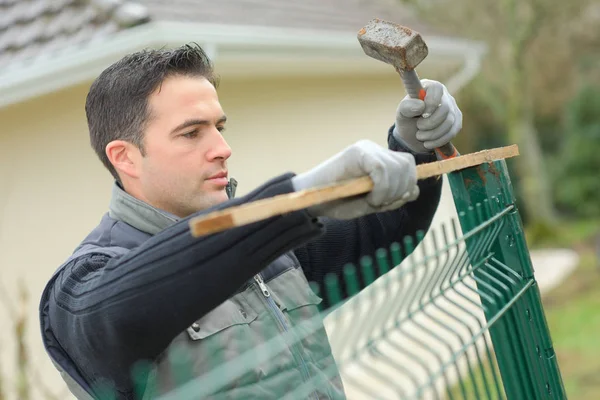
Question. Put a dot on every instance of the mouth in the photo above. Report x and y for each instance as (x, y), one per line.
(219, 179)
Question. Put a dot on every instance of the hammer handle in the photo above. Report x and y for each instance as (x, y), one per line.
(412, 83)
(413, 86)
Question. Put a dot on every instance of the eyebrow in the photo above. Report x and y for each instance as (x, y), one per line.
(197, 121)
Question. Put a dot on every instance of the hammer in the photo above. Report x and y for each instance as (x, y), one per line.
(404, 49)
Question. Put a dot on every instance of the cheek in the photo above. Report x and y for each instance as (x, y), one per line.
(153, 173)
(172, 164)
(173, 171)
(188, 165)
(183, 153)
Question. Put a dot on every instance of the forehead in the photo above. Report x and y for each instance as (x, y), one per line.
(187, 95)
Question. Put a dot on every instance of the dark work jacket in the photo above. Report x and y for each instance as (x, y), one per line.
(139, 286)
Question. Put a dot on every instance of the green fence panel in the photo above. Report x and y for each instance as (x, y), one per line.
(522, 339)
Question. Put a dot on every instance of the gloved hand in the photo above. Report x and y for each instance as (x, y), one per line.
(424, 125)
(393, 173)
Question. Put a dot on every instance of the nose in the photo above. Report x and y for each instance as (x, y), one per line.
(219, 148)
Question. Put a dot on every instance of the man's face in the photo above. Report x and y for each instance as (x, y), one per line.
(184, 169)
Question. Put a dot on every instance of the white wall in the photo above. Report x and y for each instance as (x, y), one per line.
(279, 126)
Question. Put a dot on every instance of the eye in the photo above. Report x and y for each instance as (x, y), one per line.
(221, 128)
(190, 135)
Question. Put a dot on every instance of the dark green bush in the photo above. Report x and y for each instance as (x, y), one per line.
(577, 165)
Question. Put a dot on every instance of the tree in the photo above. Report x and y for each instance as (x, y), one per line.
(578, 185)
(530, 70)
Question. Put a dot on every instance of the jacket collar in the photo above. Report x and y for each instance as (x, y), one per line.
(142, 216)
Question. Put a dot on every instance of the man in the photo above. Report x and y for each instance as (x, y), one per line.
(139, 285)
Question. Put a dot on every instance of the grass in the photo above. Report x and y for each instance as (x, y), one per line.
(572, 310)
(573, 317)
(571, 234)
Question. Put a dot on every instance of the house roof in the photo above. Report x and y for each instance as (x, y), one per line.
(47, 45)
(30, 28)
(344, 15)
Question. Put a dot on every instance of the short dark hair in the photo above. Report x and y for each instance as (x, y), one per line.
(117, 103)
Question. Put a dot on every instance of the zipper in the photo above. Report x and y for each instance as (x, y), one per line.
(283, 324)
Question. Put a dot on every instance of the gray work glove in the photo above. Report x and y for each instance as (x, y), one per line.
(424, 125)
(393, 173)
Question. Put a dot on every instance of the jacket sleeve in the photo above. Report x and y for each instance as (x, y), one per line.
(347, 241)
(101, 308)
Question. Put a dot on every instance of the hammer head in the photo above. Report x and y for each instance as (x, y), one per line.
(393, 44)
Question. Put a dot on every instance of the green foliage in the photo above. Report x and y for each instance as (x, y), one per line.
(539, 233)
(577, 165)
(566, 234)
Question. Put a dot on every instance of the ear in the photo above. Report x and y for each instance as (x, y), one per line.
(125, 157)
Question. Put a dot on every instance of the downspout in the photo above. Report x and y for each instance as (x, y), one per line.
(470, 68)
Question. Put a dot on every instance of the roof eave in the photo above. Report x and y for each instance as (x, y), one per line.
(223, 43)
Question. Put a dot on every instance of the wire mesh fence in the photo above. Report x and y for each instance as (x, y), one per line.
(420, 331)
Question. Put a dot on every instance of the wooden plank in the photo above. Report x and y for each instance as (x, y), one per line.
(437, 168)
(266, 208)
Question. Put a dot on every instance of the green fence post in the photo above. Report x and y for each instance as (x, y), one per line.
(521, 337)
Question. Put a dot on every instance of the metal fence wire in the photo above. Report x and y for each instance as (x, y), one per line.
(455, 316)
